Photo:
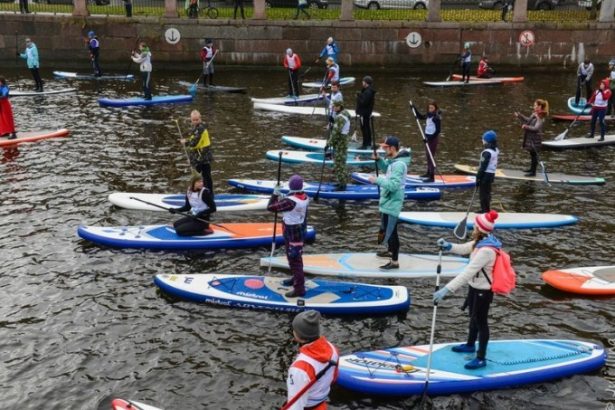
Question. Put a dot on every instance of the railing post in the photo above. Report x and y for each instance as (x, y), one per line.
(520, 11)
(433, 13)
(346, 13)
(80, 8)
(170, 9)
(259, 10)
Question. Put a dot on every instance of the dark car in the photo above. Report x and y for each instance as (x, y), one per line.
(531, 4)
(313, 4)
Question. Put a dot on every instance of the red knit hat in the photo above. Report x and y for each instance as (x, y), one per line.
(606, 82)
(486, 221)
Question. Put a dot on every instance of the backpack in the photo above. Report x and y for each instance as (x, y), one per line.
(504, 276)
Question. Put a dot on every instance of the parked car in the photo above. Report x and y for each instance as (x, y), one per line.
(531, 4)
(313, 4)
(391, 4)
(588, 4)
(97, 2)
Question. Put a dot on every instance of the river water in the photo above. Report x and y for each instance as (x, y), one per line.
(82, 323)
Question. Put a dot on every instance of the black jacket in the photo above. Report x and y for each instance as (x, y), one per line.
(365, 101)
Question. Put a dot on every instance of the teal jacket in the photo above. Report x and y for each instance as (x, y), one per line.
(392, 184)
(31, 56)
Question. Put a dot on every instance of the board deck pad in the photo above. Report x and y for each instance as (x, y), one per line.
(266, 292)
(554, 177)
(350, 265)
(506, 220)
(224, 202)
(592, 280)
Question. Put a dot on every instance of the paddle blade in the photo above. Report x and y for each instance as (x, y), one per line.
(192, 90)
(562, 135)
(461, 230)
(544, 173)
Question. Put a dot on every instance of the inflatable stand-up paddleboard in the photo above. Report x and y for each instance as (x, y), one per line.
(401, 371)
(214, 88)
(289, 100)
(366, 265)
(554, 177)
(121, 404)
(91, 77)
(579, 143)
(19, 93)
(318, 109)
(456, 81)
(301, 157)
(158, 99)
(317, 84)
(226, 236)
(580, 107)
(33, 136)
(506, 220)
(318, 144)
(266, 292)
(224, 202)
(353, 192)
(591, 280)
(440, 181)
(573, 117)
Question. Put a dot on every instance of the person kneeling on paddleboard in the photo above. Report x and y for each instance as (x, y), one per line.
(294, 225)
(316, 367)
(478, 275)
(200, 203)
(486, 169)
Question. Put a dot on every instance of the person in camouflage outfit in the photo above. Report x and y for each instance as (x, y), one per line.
(338, 141)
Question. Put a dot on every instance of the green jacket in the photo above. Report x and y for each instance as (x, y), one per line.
(392, 184)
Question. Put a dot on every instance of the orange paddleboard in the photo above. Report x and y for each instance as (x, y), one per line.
(592, 280)
(33, 136)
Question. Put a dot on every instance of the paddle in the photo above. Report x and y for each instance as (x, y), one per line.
(461, 230)
(321, 90)
(181, 213)
(305, 388)
(275, 215)
(193, 87)
(542, 166)
(371, 125)
(563, 134)
(322, 167)
(302, 76)
(433, 326)
(450, 72)
(179, 130)
(418, 123)
(354, 135)
(292, 85)
(132, 52)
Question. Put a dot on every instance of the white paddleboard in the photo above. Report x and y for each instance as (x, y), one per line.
(591, 280)
(302, 99)
(582, 142)
(18, 93)
(224, 202)
(366, 265)
(554, 177)
(506, 220)
(305, 110)
(318, 144)
(317, 84)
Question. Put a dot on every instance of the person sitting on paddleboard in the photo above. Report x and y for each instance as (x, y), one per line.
(329, 50)
(315, 369)
(392, 186)
(584, 77)
(433, 121)
(200, 203)
(292, 62)
(338, 142)
(143, 57)
(478, 275)
(532, 136)
(336, 95)
(94, 48)
(208, 52)
(486, 169)
(294, 224)
(7, 122)
(466, 60)
(199, 149)
(484, 70)
(599, 101)
(333, 74)
(365, 106)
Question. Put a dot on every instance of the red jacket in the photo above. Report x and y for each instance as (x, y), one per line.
(295, 58)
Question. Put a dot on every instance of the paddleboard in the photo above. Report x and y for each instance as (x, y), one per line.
(227, 236)
(572, 117)
(305, 157)
(327, 191)
(554, 177)
(366, 265)
(78, 76)
(33, 136)
(303, 110)
(440, 181)
(19, 93)
(302, 99)
(506, 220)
(318, 144)
(580, 107)
(317, 84)
(158, 99)
(224, 202)
(577, 143)
(473, 81)
(266, 292)
(591, 280)
(214, 88)
(121, 404)
(401, 371)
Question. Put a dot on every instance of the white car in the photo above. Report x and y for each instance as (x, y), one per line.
(392, 4)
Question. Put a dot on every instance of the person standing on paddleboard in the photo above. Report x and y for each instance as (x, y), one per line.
(336, 95)
(478, 274)
(332, 74)
(199, 149)
(599, 101)
(466, 60)
(532, 135)
(330, 50)
(7, 122)
(208, 52)
(338, 142)
(584, 78)
(294, 224)
(143, 57)
(315, 369)
(200, 203)
(94, 48)
(392, 185)
(433, 121)
(292, 63)
(611, 109)
(486, 169)
(30, 54)
(365, 106)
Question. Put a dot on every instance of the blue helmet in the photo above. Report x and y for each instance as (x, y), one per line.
(489, 136)
(91, 34)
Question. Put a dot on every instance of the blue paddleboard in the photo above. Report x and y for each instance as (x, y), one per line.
(402, 371)
(266, 292)
(580, 107)
(305, 157)
(158, 99)
(353, 192)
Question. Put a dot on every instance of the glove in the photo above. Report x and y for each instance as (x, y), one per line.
(173, 210)
(442, 243)
(439, 295)
(477, 182)
(17, 53)
(276, 190)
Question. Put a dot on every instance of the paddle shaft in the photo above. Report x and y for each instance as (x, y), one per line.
(275, 215)
(433, 324)
(418, 123)
(292, 85)
(373, 131)
(563, 134)
(179, 130)
(322, 167)
(450, 72)
(305, 388)
(133, 50)
(542, 165)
